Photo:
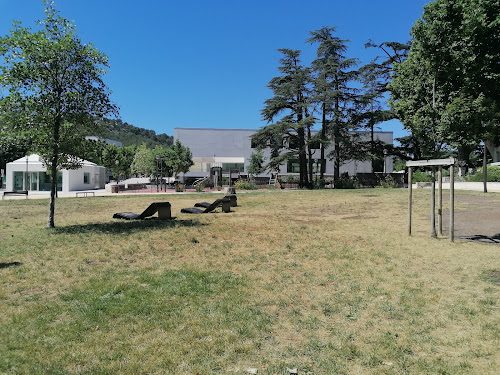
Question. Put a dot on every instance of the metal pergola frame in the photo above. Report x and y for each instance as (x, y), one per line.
(439, 163)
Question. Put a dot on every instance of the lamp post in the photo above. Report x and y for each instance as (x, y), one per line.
(26, 177)
(117, 163)
(157, 157)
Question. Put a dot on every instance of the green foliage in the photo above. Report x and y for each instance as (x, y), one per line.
(347, 183)
(55, 93)
(388, 183)
(179, 158)
(131, 135)
(287, 137)
(245, 185)
(144, 161)
(334, 92)
(419, 176)
(199, 188)
(493, 174)
(256, 163)
(319, 183)
(446, 93)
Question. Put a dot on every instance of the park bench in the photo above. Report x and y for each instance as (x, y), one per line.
(163, 209)
(85, 193)
(15, 192)
(225, 203)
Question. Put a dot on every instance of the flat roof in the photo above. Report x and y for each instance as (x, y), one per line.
(254, 130)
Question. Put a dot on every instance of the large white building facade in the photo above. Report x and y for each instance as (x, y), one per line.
(29, 173)
(231, 149)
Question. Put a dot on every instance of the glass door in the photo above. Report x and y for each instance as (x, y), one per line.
(33, 181)
(18, 181)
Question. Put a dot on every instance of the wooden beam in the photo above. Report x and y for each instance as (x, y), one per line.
(440, 200)
(452, 204)
(430, 162)
(433, 203)
(410, 199)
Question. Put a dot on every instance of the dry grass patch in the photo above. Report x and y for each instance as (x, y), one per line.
(326, 281)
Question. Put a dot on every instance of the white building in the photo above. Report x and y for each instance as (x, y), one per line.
(29, 173)
(231, 148)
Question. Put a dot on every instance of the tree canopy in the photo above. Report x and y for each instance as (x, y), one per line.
(54, 92)
(447, 92)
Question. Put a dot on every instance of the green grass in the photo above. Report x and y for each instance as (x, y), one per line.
(323, 281)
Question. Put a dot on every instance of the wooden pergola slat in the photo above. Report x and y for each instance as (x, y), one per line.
(440, 163)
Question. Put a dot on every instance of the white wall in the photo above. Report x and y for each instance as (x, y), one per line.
(71, 179)
(209, 142)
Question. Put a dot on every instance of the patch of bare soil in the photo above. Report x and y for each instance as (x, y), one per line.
(477, 218)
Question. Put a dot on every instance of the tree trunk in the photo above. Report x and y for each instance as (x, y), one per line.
(309, 155)
(53, 174)
(464, 159)
(322, 144)
(53, 190)
(336, 134)
(302, 158)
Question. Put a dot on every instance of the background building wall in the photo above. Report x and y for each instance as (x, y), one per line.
(210, 144)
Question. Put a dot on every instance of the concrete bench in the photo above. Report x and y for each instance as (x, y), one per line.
(15, 192)
(85, 193)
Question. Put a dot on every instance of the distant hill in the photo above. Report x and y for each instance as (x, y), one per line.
(133, 135)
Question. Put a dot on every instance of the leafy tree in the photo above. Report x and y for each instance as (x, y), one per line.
(256, 164)
(447, 91)
(55, 91)
(178, 158)
(144, 161)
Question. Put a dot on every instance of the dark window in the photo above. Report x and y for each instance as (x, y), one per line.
(315, 145)
(293, 166)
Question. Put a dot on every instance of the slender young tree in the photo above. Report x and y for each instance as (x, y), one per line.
(55, 92)
(178, 158)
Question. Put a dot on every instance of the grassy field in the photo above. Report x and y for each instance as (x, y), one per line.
(327, 282)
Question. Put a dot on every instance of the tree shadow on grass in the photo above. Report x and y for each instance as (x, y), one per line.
(11, 264)
(126, 226)
(495, 239)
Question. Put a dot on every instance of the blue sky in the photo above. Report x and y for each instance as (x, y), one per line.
(207, 63)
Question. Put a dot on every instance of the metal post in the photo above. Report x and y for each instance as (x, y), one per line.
(433, 203)
(410, 198)
(157, 173)
(440, 200)
(26, 177)
(452, 203)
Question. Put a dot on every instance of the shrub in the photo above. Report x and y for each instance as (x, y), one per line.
(245, 185)
(388, 182)
(199, 188)
(493, 174)
(347, 183)
(319, 183)
(419, 176)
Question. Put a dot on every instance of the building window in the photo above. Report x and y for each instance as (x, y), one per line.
(293, 166)
(293, 143)
(227, 166)
(86, 178)
(315, 145)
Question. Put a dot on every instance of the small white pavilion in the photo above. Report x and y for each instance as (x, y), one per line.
(29, 173)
